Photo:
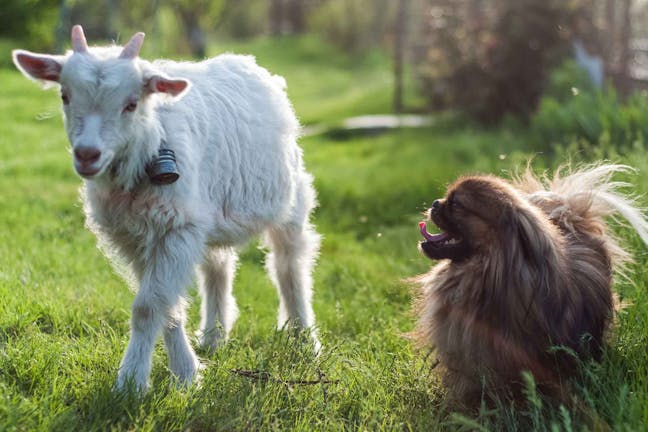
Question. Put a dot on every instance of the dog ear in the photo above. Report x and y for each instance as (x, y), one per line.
(531, 241)
(529, 234)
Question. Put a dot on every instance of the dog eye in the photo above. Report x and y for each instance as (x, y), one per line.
(452, 202)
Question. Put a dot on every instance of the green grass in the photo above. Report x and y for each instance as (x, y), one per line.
(64, 312)
(327, 86)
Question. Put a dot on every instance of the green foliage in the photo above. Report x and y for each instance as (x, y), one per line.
(33, 20)
(572, 112)
(566, 80)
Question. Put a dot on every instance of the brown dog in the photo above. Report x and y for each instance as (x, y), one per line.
(524, 279)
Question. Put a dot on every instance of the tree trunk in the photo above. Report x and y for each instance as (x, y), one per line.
(379, 20)
(62, 32)
(195, 34)
(296, 15)
(475, 13)
(610, 29)
(275, 15)
(111, 11)
(399, 54)
(625, 51)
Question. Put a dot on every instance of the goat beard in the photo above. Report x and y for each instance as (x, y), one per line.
(536, 300)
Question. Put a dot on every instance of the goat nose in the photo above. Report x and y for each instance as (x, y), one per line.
(87, 154)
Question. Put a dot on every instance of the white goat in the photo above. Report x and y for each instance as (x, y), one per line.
(234, 133)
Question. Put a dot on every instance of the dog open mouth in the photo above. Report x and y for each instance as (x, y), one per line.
(444, 245)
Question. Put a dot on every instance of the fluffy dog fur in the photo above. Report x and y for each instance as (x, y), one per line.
(524, 279)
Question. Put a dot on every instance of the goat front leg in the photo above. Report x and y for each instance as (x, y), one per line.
(159, 305)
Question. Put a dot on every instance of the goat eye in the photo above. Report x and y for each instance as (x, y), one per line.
(65, 98)
(130, 107)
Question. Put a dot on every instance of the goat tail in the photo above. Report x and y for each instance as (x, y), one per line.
(579, 200)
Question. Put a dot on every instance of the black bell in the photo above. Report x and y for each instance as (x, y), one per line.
(163, 170)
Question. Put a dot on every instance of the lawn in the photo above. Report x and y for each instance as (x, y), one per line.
(64, 313)
(327, 85)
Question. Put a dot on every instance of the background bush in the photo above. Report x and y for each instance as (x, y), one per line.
(492, 60)
(31, 20)
(572, 112)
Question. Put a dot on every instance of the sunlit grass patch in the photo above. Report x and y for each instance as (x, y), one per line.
(64, 312)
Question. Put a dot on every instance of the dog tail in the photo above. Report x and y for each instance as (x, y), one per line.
(579, 200)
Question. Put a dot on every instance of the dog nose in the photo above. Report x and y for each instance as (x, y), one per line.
(436, 205)
(87, 155)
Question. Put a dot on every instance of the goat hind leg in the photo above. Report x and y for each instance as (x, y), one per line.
(293, 250)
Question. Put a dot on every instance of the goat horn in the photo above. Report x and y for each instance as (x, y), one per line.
(79, 43)
(132, 48)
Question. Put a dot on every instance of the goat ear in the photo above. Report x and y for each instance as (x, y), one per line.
(173, 87)
(42, 67)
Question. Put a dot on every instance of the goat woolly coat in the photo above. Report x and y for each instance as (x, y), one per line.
(234, 134)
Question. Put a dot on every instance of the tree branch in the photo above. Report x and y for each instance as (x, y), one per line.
(265, 376)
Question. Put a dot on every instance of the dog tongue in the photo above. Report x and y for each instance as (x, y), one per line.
(432, 237)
